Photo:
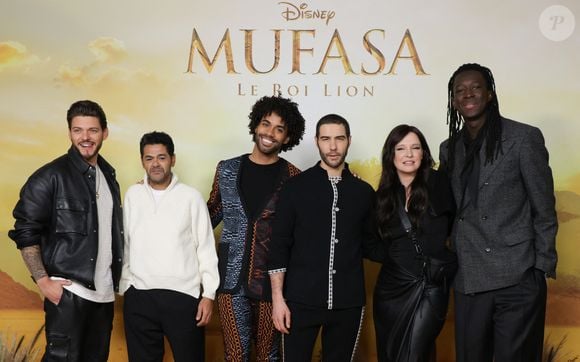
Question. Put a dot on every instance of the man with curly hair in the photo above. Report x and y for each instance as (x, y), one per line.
(244, 196)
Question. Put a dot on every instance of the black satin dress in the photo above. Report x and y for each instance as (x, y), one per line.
(409, 313)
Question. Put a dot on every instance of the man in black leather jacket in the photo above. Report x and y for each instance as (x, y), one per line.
(69, 230)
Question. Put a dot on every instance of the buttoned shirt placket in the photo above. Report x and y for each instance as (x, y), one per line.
(334, 180)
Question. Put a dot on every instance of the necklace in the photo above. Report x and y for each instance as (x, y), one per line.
(97, 182)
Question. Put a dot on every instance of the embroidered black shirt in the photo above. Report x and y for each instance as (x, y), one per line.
(317, 238)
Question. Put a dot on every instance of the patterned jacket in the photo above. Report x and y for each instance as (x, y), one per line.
(244, 244)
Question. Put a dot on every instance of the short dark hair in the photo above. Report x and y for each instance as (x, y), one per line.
(157, 138)
(287, 110)
(86, 108)
(333, 119)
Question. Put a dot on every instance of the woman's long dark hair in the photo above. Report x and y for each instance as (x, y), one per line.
(390, 185)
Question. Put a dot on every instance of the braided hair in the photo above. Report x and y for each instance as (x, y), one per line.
(492, 126)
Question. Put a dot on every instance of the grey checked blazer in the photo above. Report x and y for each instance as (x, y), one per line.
(514, 225)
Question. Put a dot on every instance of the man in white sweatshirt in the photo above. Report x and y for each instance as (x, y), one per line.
(170, 272)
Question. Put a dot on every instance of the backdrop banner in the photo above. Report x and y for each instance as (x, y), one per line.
(193, 69)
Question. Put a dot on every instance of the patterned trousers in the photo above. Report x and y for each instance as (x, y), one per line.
(245, 321)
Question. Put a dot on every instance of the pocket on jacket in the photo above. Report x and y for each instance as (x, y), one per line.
(518, 236)
(71, 216)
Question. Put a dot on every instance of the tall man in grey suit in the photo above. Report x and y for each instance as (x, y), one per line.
(506, 224)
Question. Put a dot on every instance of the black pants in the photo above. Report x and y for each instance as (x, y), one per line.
(340, 332)
(504, 325)
(77, 329)
(151, 314)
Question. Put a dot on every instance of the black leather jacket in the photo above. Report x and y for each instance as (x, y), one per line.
(57, 210)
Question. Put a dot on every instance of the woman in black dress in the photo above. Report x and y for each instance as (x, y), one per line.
(409, 308)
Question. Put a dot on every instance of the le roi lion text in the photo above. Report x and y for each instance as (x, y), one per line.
(375, 65)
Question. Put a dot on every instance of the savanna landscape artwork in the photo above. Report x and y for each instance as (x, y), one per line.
(193, 69)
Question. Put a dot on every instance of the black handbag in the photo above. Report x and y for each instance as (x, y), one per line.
(440, 270)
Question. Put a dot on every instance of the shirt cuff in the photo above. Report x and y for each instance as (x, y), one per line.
(275, 271)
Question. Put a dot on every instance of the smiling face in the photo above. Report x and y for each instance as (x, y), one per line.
(408, 155)
(157, 164)
(471, 97)
(270, 134)
(333, 144)
(87, 137)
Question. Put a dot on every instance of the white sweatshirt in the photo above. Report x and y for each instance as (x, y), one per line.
(168, 244)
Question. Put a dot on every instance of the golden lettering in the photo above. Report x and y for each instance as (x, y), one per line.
(368, 92)
(225, 44)
(349, 91)
(292, 90)
(335, 50)
(249, 46)
(414, 56)
(336, 41)
(296, 50)
(253, 90)
(374, 52)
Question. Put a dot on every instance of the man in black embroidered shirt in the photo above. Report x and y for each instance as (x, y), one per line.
(316, 266)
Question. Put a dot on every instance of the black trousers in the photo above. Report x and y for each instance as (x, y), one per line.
(77, 329)
(340, 332)
(504, 325)
(151, 314)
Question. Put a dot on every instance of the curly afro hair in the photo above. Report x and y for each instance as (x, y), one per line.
(287, 110)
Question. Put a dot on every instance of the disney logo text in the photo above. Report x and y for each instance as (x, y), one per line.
(293, 12)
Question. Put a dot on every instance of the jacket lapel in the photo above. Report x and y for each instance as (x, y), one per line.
(462, 198)
(487, 170)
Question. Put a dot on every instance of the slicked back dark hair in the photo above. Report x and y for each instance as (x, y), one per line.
(492, 125)
(333, 119)
(88, 109)
(287, 110)
(157, 138)
(389, 185)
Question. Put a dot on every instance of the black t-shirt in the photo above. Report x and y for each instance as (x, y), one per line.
(257, 184)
